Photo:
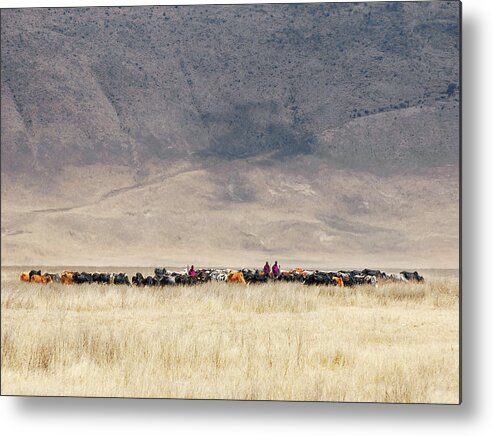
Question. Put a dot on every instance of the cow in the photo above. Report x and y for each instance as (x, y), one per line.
(120, 279)
(289, 276)
(339, 281)
(185, 279)
(374, 272)
(162, 280)
(150, 281)
(138, 279)
(101, 278)
(36, 278)
(260, 277)
(34, 272)
(82, 277)
(285, 276)
(25, 277)
(319, 278)
(236, 277)
(180, 278)
(190, 280)
(358, 279)
(412, 276)
(347, 278)
(67, 278)
(254, 277)
(167, 280)
(248, 275)
(218, 276)
(54, 277)
(159, 272)
(203, 275)
(396, 278)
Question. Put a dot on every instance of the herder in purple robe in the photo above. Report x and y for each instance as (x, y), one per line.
(275, 269)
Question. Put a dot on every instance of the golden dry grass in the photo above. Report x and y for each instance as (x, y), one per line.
(395, 343)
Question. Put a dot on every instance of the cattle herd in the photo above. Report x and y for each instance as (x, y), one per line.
(162, 277)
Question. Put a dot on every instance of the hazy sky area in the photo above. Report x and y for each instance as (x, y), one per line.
(314, 134)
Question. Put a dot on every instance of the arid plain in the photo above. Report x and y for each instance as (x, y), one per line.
(393, 343)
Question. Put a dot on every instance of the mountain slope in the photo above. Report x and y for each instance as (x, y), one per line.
(133, 84)
(319, 132)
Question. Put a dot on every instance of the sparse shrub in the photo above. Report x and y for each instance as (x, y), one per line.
(451, 89)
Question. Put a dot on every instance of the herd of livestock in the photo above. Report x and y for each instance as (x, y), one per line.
(162, 277)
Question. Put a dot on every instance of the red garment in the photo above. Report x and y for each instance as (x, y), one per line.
(192, 273)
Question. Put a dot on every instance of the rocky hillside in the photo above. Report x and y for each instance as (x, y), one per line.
(282, 120)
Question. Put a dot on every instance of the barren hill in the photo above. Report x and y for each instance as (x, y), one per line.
(316, 133)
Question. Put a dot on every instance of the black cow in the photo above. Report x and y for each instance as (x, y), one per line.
(191, 280)
(82, 277)
(120, 279)
(160, 280)
(374, 272)
(297, 277)
(104, 278)
(159, 272)
(412, 276)
(150, 281)
(101, 278)
(260, 277)
(248, 275)
(285, 278)
(180, 279)
(167, 280)
(254, 277)
(185, 279)
(319, 278)
(138, 279)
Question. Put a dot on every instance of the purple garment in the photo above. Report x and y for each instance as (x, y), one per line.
(192, 273)
(266, 269)
(275, 269)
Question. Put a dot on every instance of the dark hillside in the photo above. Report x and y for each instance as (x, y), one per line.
(319, 133)
(133, 84)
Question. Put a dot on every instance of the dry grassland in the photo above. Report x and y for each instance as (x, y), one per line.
(395, 343)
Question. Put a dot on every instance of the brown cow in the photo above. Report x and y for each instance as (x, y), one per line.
(41, 279)
(300, 271)
(24, 277)
(67, 278)
(236, 277)
(339, 281)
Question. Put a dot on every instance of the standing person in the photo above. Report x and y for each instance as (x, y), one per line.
(267, 269)
(192, 272)
(275, 269)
